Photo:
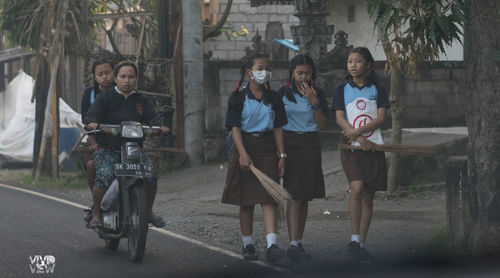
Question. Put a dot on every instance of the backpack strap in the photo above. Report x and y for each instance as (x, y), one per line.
(92, 96)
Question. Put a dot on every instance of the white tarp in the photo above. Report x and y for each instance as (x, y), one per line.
(17, 119)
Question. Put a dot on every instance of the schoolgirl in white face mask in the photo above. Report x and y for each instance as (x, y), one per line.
(255, 116)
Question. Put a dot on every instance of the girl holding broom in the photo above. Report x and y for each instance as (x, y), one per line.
(360, 106)
(255, 116)
(307, 113)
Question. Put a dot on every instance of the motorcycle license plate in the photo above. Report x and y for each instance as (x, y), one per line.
(133, 169)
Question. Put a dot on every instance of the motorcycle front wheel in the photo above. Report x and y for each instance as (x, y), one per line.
(112, 244)
(138, 223)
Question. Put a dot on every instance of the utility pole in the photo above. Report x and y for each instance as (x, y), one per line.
(192, 59)
(163, 28)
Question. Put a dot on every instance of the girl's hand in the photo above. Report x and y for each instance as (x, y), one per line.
(245, 162)
(366, 144)
(164, 129)
(309, 93)
(281, 166)
(92, 126)
(352, 134)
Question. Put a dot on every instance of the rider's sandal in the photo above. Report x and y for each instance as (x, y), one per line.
(158, 222)
(95, 224)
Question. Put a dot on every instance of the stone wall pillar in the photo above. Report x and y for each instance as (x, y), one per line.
(313, 34)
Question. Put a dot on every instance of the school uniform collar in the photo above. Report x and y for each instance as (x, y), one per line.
(250, 95)
(120, 93)
(295, 90)
(354, 85)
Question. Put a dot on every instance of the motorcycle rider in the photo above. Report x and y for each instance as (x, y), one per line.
(124, 103)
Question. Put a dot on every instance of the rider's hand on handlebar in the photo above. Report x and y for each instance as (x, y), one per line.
(92, 126)
(164, 129)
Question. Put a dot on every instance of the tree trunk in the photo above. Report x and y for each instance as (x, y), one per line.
(40, 90)
(397, 128)
(213, 31)
(482, 117)
(396, 113)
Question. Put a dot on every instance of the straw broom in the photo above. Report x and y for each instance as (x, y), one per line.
(274, 189)
(395, 148)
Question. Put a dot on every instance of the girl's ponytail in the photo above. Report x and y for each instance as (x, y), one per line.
(372, 78)
(238, 85)
(269, 86)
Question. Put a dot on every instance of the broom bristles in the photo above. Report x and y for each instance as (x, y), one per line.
(397, 148)
(274, 189)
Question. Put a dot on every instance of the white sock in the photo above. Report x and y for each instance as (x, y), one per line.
(271, 239)
(294, 243)
(247, 240)
(355, 238)
(362, 244)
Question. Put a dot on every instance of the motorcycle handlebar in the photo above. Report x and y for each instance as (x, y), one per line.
(116, 129)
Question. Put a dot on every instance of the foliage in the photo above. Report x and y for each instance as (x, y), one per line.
(66, 180)
(435, 245)
(25, 23)
(134, 25)
(231, 33)
(418, 30)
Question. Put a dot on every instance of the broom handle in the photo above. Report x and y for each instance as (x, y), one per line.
(387, 148)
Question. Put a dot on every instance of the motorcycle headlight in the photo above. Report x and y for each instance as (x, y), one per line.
(132, 131)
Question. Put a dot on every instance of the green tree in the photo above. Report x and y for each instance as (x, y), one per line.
(412, 32)
(51, 29)
(144, 28)
(27, 23)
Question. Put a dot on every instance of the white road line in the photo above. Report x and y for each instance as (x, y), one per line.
(162, 231)
(216, 249)
(73, 204)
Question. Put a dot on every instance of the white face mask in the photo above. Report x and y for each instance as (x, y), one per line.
(261, 76)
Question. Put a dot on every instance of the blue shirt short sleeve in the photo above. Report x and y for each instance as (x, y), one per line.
(234, 109)
(338, 98)
(382, 97)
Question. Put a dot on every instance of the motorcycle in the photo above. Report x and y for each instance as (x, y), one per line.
(130, 218)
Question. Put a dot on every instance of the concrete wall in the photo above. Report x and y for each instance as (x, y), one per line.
(253, 18)
(360, 30)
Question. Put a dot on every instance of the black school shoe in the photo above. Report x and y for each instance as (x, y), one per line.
(354, 250)
(303, 254)
(274, 253)
(249, 253)
(365, 256)
(293, 253)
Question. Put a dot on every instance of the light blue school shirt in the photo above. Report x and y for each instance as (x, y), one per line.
(300, 115)
(256, 116)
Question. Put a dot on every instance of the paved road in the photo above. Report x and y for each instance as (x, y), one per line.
(32, 225)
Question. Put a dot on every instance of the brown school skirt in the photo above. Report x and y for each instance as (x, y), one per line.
(367, 166)
(303, 171)
(242, 188)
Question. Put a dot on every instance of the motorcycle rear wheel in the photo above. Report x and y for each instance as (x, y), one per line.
(138, 223)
